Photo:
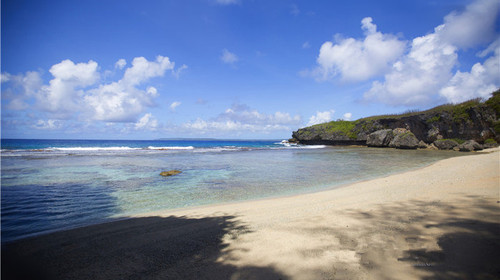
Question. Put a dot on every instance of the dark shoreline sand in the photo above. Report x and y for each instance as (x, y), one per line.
(438, 222)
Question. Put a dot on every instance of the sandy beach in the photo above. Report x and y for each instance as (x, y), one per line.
(438, 222)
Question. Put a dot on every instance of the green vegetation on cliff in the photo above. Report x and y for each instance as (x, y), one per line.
(473, 119)
(341, 127)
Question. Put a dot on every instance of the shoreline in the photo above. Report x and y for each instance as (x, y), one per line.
(399, 225)
(311, 192)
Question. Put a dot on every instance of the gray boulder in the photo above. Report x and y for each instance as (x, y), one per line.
(469, 146)
(423, 145)
(379, 138)
(403, 139)
(433, 134)
(445, 144)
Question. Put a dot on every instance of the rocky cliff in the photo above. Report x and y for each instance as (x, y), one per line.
(471, 120)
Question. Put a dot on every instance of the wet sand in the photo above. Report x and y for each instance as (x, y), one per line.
(438, 222)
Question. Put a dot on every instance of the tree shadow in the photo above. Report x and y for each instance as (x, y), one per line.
(467, 236)
(413, 239)
(136, 248)
(472, 251)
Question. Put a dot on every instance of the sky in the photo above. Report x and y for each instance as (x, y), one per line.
(251, 69)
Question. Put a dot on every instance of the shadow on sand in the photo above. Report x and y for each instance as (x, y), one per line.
(467, 237)
(137, 248)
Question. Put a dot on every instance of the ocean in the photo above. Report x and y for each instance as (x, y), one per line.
(51, 185)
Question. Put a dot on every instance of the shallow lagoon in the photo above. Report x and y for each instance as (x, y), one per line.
(49, 189)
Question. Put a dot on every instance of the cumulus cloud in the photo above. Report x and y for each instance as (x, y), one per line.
(425, 73)
(475, 25)
(75, 90)
(142, 70)
(228, 57)
(241, 118)
(174, 105)
(356, 60)
(123, 101)
(418, 76)
(321, 117)
(120, 63)
(64, 91)
(347, 116)
(177, 73)
(48, 124)
(481, 81)
(147, 122)
(22, 87)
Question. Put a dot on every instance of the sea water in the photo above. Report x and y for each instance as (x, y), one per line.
(50, 185)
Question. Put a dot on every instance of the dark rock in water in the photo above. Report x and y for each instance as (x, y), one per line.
(380, 138)
(403, 139)
(445, 144)
(170, 173)
(469, 146)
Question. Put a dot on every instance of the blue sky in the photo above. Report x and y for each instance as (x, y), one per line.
(235, 68)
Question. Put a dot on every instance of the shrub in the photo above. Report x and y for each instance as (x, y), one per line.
(490, 141)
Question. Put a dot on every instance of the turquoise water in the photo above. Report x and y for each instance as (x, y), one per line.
(50, 185)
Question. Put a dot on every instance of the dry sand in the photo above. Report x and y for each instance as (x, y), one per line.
(438, 222)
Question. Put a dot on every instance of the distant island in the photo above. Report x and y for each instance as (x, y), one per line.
(468, 126)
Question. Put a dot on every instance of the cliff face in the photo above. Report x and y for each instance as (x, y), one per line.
(471, 120)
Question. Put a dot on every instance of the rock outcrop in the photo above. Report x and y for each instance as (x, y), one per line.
(403, 139)
(469, 146)
(446, 144)
(471, 120)
(380, 138)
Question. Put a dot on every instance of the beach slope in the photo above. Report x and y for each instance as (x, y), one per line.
(438, 222)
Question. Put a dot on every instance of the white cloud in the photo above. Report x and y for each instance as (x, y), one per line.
(357, 60)
(240, 118)
(244, 114)
(147, 122)
(116, 102)
(63, 92)
(120, 63)
(179, 70)
(418, 76)
(23, 87)
(75, 91)
(5, 77)
(306, 45)
(48, 124)
(321, 117)
(174, 105)
(228, 57)
(123, 101)
(347, 116)
(481, 81)
(426, 72)
(475, 25)
(142, 70)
